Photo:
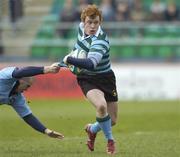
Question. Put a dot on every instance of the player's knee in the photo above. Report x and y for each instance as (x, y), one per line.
(102, 108)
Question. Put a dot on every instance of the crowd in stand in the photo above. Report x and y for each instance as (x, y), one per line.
(122, 10)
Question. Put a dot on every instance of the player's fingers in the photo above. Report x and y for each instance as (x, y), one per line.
(60, 136)
(55, 64)
(56, 135)
(56, 69)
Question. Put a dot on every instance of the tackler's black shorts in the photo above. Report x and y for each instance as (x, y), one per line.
(106, 82)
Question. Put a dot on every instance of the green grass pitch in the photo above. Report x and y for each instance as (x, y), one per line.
(144, 129)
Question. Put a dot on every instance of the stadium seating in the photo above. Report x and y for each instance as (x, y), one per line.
(57, 6)
(39, 52)
(172, 32)
(46, 32)
(154, 32)
(148, 51)
(123, 52)
(177, 53)
(127, 52)
(147, 3)
(50, 19)
(114, 52)
(58, 52)
(165, 52)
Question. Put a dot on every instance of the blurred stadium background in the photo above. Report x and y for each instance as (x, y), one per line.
(47, 29)
(145, 52)
(145, 33)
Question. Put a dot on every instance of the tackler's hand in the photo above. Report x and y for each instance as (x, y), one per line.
(54, 134)
(54, 68)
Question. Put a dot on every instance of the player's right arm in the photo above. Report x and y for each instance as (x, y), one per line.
(21, 107)
(31, 120)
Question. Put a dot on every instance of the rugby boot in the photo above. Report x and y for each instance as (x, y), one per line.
(110, 147)
(91, 137)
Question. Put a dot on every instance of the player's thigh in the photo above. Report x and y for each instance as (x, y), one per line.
(112, 108)
(96, 97)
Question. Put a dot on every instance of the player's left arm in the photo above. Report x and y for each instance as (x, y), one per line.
(21, 107)
(32, 70)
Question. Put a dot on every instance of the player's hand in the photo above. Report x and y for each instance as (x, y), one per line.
(54, 68)
(54, 134)
(62, 64)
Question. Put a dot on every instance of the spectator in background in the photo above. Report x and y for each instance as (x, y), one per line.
(16, 12)
(108, 12)
(90, 1)
(130, 3)
(122, 11)
(81, 5)
(138, 12)
(1, 46)
(122, 14)
(68, 14)
(157, 9)
(172, 12)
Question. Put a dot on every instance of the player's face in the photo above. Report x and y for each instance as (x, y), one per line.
(91, 25)
(24, 85)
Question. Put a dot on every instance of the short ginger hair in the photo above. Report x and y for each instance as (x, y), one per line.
(92, 11)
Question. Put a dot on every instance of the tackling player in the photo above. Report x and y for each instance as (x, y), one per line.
(97, 80)
(13, 81)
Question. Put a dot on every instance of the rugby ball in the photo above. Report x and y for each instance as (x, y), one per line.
(76, 54)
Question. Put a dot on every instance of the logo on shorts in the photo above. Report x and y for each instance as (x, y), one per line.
(114, 93)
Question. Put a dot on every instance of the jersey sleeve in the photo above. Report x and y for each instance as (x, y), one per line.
(6, 73)
(20, 105)
(97, 50)
(99, 46)
(27, 71)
